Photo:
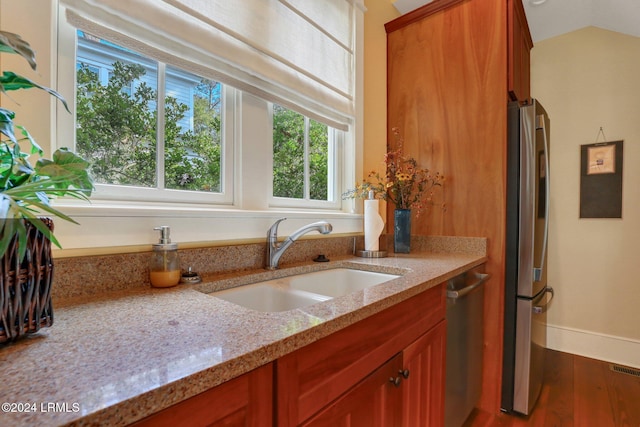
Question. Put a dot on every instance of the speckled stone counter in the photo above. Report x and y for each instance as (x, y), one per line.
(113, 359)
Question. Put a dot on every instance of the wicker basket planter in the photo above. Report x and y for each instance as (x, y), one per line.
(25, 287)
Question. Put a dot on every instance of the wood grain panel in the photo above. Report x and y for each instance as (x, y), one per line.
(447, 92)
(424, 389)
(596, 409)
(246, 400)
(312, 377)
(624, 395)
(519, 45)
(556, 402)
(576, 392)
(419, 14)
(374, 402)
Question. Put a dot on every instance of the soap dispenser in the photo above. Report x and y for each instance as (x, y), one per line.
(165, 264)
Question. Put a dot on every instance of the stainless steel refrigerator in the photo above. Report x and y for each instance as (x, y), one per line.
(527, 295)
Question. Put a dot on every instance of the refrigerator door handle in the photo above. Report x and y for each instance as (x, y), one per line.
(539, 309)
(481, 278)
(537, 271)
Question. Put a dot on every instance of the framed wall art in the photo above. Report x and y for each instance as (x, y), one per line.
(601, 180)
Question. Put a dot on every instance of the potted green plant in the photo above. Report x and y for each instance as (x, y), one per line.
(26, 191)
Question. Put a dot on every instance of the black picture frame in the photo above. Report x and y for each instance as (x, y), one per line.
(601, 180)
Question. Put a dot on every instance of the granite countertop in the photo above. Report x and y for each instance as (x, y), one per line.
(114, 359)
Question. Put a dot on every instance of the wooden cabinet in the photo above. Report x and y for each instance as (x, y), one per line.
(408, 390)
(447, 91)
(244, 401)
(519, 44)
(358, 371)
(424, 389)
(373, 402)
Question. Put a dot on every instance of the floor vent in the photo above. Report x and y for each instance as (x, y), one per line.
(625, 370)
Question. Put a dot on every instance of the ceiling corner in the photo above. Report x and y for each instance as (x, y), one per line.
(405, 6)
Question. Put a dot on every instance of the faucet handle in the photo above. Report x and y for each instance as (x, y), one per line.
(273, 230)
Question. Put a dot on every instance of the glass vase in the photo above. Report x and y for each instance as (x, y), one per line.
(402, 231)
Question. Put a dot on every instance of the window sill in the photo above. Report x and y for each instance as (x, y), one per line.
(128, 227)
(106, 208)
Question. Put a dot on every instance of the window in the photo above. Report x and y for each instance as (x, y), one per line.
(232, 66)
(142, 145)
(138, 139)
(303, 158)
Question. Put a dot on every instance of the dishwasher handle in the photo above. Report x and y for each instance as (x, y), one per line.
(480, 279)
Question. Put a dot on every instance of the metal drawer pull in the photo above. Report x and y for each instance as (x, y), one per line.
(395, 381)
(404, 373)
(481, 278)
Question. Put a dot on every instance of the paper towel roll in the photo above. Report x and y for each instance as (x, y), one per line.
(373, 225)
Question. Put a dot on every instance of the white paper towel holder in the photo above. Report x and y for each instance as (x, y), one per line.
(372, 218)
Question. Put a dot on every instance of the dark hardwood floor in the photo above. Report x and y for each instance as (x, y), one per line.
(577, 392)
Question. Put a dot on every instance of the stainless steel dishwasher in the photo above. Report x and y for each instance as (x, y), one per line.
(465, 295)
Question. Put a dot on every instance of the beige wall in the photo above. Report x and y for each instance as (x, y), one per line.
(378, 13)
(37, 116)
(587, 79)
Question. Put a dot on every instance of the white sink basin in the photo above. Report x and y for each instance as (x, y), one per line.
(262, 297)
(301, 290)
(337, 282)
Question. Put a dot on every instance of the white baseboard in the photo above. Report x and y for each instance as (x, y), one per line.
(609, 348)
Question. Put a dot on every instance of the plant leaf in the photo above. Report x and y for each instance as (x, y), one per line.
(6, 123)
(35, 148)
(12, 210)
(6, 231)
(66, 170)
(13, 43)
(12, 81)
(28, 191)
(11, 226)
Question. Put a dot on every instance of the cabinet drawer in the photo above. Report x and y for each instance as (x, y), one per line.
(245, 400)
(312, 377)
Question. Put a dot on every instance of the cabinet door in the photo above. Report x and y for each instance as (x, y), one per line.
(244, 401)
(423, 390)
(314, 376)
(519, 48)
(374, 402)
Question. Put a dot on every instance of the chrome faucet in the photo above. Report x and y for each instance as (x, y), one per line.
(275, 249)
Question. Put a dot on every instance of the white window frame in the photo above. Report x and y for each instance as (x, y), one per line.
(67, 40)
(335, 175)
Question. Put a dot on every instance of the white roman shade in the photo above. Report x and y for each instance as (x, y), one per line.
(298, 53)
